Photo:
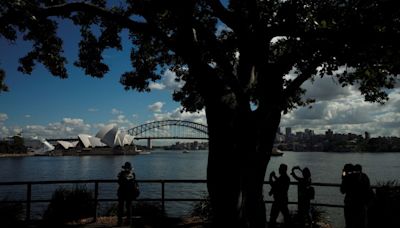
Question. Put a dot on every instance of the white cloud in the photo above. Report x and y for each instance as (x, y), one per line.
(345, 111)
(4, 131)
(168, 81)
(3, 117)
(156, 86)
(177, 114)
(93, 110)
(119, 120)
(71, 121)
(115, 111)
(27, 116)
(156, 107)
(326, 88)
(66, 128)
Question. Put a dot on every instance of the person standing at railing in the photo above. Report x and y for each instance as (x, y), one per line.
(356, 186)
(126, 194)
(305, 193)
(279, 189)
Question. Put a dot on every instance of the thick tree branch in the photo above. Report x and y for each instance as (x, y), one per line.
(295, 85)
(223, 14)
(66, 9)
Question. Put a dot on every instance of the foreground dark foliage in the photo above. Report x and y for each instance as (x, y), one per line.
(69, 205)
(385, 208)
(11, 214)
(203, 209)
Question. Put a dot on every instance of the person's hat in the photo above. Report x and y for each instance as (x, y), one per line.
(127, 165)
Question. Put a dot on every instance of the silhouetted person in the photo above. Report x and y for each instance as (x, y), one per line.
(356, 186)
(305, 194)
(126, 182)
(279, 189)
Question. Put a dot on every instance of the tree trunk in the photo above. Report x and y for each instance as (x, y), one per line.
(237, 164)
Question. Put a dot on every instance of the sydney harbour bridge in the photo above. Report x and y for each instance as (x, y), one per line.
(169, 129)
(165, 129)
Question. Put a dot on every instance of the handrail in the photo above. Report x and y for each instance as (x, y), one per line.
(163, 199)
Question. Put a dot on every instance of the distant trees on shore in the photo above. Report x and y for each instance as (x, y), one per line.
(347, 143)
(14, 145)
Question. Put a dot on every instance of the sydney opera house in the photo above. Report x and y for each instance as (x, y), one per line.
(109, 140)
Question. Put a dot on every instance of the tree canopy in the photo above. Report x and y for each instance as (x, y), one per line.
(315, 38)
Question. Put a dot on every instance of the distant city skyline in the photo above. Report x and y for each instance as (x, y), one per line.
(45, 106)
(286, 130)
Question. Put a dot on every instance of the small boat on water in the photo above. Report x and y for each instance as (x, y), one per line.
(276, 152)
(185, 151)
(140, 152)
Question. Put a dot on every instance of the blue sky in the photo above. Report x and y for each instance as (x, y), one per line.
(47, 106)
(41, 101)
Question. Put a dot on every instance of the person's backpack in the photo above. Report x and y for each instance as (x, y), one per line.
(310, 192)
(136, 190)
(133, 187)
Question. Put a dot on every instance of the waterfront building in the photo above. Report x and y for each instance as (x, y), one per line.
(108, 137)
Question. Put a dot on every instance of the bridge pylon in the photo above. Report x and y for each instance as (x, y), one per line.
(149, 145)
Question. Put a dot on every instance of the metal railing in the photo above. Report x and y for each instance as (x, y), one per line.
(29, 201)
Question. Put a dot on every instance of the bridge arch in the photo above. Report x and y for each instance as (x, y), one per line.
(139, 132)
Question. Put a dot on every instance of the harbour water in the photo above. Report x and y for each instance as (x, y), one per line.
(325, 168)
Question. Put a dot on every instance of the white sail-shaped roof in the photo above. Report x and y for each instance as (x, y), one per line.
(108, 134)
(104, 130)
(67, 145)
(123, 139)
(119, 139)
(85, 140)
(96, 142)
(47, 146)
(128, 139)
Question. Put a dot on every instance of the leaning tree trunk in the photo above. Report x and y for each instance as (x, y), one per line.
(238, 159)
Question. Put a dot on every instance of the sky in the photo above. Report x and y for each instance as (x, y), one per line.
(49, 107)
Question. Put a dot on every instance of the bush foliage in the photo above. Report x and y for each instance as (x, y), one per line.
(384, 210)
(70, 205)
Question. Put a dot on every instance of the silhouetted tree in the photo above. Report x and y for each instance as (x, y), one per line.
(238, 73)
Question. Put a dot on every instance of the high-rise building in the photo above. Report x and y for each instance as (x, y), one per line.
(329, 133)
(367, 135)
(288, 132)
(309, 132)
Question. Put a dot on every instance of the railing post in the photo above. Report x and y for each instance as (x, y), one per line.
(298, 194)
(96, 199)
(28, 201)
(163, 195)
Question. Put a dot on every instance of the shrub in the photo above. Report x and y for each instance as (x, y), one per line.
(319, 217)
(203, 209)
(70, 205)
(384, 210)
